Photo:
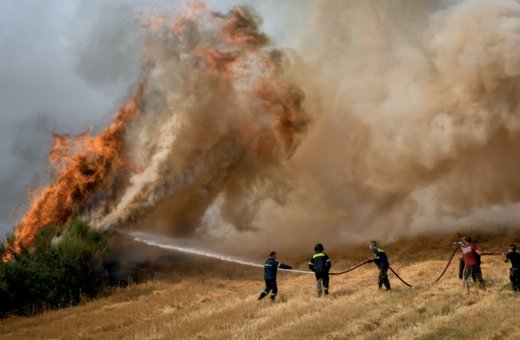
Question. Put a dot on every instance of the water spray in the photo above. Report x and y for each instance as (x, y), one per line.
(168, 243)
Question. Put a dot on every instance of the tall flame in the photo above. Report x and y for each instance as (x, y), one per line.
(208, 72)
(83, 165)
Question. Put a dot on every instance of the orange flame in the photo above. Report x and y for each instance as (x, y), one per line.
(85, 165)
(82, 166)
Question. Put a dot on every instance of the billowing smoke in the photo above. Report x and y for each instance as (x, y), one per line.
(212, 111)
(419, 99)
(378, 112)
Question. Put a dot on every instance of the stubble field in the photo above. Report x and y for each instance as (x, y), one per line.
(213, 300)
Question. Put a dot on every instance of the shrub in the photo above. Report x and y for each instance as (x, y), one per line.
(56, 271)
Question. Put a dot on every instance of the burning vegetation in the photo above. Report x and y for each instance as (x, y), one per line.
(81, 167)
(212, 101)
(414, 121)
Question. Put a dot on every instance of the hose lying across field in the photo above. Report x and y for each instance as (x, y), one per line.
(400, 278)
(362, 264)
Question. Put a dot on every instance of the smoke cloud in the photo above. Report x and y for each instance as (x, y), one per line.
(377, 113)
(424, 101)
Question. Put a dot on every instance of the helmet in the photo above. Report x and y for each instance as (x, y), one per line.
(318, 247)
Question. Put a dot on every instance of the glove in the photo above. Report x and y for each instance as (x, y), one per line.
(370, 261)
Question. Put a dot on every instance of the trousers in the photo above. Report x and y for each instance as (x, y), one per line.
(514, 276)
(270, 286)
(462, 265)
(382, 278)
(322, 278)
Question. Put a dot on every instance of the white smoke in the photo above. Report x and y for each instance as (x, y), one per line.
(381, 112)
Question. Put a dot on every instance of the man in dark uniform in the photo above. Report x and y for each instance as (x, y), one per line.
(320, 265)
(270, 269)
(381, 260)
(514, 272)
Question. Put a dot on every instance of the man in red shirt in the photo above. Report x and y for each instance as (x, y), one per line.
(472, 270)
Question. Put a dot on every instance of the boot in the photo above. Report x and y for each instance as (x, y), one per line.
(387, 285)
(326, 291)
(263, 295)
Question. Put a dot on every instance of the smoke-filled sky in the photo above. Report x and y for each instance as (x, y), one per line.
(66, 66)
(279, 123)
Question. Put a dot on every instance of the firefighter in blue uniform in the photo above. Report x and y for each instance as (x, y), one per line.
(320, 265)
(381, 260)
(270, 268)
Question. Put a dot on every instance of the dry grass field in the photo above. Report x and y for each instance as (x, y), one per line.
(214, 300)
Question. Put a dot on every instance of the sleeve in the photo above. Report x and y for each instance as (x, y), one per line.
(508, 256)
(283, 266)
(311, 264)
(327, 261)
(377, 259)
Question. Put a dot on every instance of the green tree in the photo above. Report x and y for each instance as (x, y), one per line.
(56, 271)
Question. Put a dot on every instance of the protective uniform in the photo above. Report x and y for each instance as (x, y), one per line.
(270, 269)
(514, 272)
(320, 264)
(381, 260)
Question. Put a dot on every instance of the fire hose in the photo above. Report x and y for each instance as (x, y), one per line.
(451, 258)
(399, 277)
(362, 264)
(346, 271)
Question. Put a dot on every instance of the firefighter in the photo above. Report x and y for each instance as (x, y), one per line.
(320, 265)
(270, 269)
(381, 260)
(514, 272)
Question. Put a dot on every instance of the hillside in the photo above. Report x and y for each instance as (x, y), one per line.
(214, 300)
